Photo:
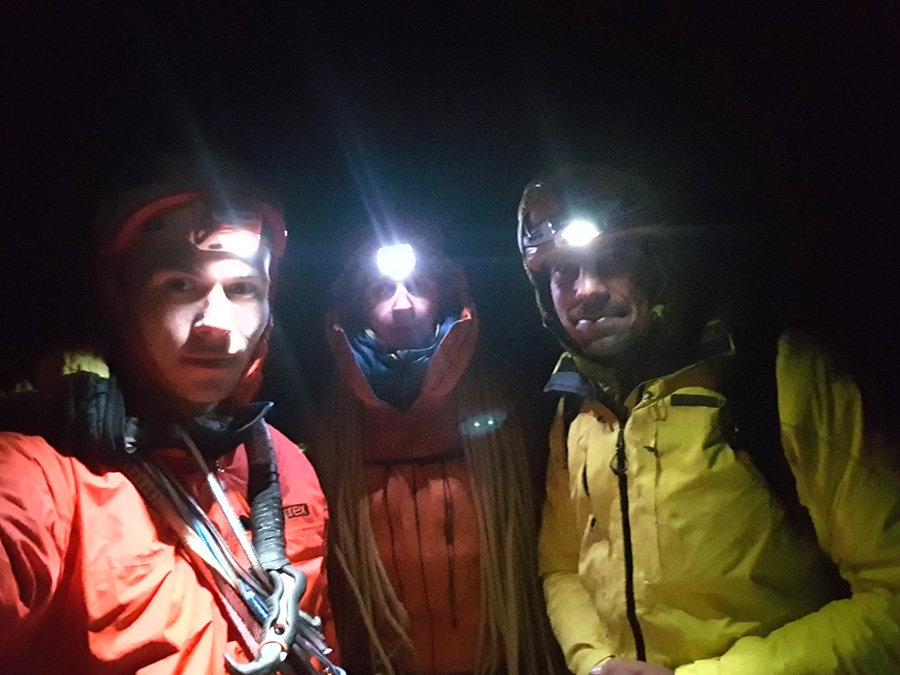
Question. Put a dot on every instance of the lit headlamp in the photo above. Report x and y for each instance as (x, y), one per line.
(396, 261)
(539, 241)
(602, 219)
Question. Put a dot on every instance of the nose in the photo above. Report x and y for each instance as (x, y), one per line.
(214, 316)
(401, 302)
(216, 321)
(590, 284)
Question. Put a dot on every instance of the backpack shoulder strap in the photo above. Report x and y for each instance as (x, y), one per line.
(753, 403)
(568, 384)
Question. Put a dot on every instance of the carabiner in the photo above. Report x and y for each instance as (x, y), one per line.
(280, 627)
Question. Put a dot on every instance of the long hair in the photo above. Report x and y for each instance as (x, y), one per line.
(513, 634)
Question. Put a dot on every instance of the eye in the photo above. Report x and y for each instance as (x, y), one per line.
(565, 272)
(245, 288)
(421, 286)
(616, 262)
(382, 289)
(178, 284)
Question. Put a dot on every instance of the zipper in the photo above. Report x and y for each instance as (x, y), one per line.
(619, 467)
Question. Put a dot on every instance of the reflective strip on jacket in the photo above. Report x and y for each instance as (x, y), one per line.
(722, 585)
(92, 582)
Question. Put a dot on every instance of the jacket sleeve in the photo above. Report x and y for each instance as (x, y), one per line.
(37, 498)
(853, 496)
(569, 605)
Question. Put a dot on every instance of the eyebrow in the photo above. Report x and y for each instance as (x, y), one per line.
(253, 272)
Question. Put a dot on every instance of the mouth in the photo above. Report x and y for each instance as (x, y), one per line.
(211, 362)
(600, 323)
(610, 313)
(594, 325)
(404, 323)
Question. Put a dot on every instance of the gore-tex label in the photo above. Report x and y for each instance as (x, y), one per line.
(295, 511)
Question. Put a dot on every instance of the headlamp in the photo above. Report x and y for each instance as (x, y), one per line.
(538, 241)
(219, 227)
(579, 232)
(229, 231)
(396, 261)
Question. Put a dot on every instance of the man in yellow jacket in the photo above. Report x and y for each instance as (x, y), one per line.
(677, 536)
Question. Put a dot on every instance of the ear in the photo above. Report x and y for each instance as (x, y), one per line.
(113, 291)
(117, 310)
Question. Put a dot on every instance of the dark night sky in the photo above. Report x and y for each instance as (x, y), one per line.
(762, 117)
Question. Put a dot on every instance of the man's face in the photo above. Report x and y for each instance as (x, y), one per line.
(402, 314)
(199, 316)
(597, 300)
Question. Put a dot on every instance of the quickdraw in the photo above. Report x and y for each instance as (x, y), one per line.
(290, 641)
(280, 627)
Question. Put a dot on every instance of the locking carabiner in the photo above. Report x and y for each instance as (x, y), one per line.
(280, 626)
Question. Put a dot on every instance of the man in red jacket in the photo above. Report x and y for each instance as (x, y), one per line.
(123, 517)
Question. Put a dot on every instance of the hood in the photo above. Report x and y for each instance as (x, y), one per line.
(447, 365)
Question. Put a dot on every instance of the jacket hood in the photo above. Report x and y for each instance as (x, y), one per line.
(447, 365)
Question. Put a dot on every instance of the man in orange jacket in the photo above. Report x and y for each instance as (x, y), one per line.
(123, 542)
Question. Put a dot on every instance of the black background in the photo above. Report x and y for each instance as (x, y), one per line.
(770, 117)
